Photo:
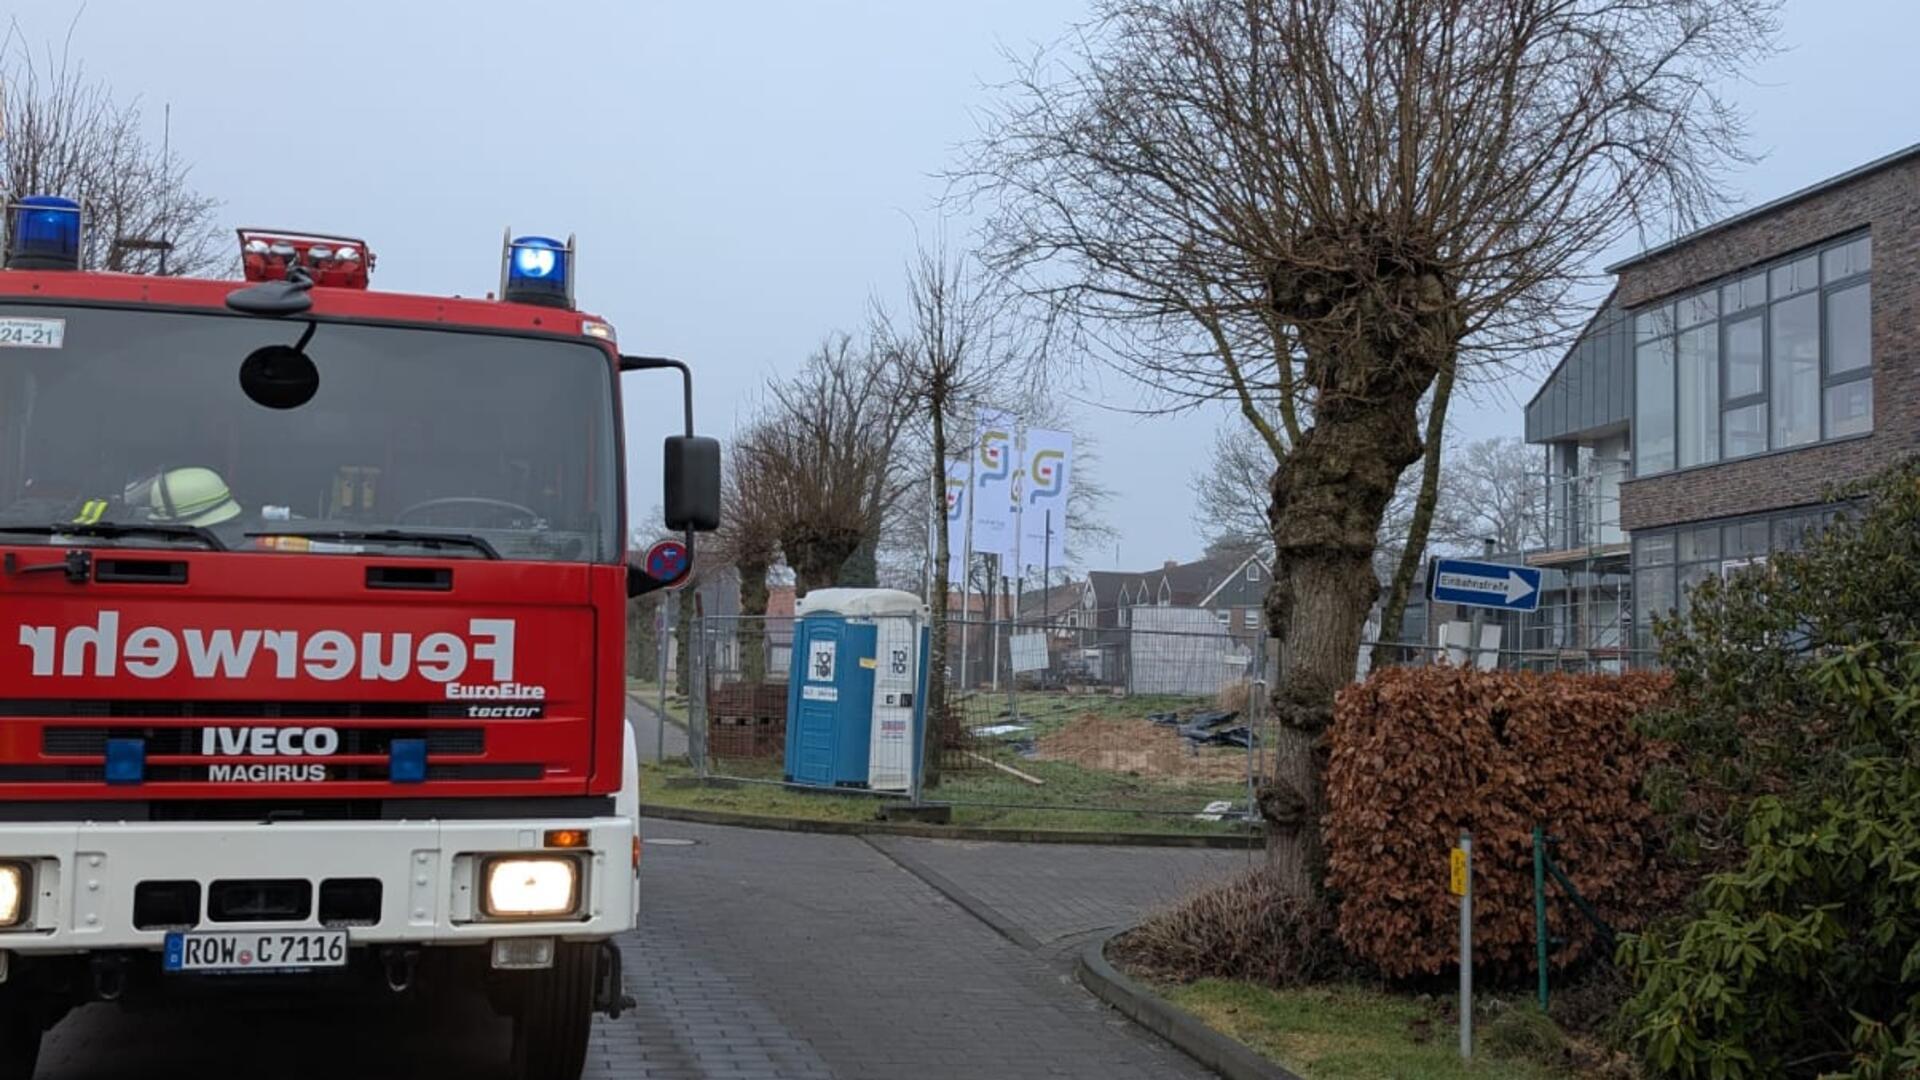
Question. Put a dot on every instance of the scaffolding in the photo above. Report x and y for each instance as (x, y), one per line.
(1585, 616)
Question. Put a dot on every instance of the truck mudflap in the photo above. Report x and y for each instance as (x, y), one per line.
(610, 995)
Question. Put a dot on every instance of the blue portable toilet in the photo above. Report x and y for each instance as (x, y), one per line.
(856, 695)
(829, 702)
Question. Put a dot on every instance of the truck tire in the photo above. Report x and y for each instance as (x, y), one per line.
(19, 1043)
(555, 1017)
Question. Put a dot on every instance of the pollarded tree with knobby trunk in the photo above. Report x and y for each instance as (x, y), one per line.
(825, 450)
(749, 540)
(1325, 205)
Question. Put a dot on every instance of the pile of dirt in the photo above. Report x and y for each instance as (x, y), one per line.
(1136, 747)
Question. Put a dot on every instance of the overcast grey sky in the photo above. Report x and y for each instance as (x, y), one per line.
(741, 176)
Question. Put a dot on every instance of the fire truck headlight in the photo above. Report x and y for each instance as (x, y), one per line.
(518, 888)
(14, 884)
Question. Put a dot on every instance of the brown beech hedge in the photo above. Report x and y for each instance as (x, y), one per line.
(1419, 753)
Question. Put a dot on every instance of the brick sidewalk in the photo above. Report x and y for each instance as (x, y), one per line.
(761, 956)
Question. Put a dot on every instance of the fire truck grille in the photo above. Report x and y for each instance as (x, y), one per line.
(94, 774)
(118, 709)
(92, 741)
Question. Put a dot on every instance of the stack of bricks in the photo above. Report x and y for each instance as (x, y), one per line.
(747, 720)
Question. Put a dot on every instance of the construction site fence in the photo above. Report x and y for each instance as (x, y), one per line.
(1036, 724)
(1024, 723)
(1572, 661)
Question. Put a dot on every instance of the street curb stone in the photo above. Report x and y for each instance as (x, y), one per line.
(1177, 1026)
(950, 832)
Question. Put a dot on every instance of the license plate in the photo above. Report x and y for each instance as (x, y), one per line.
(256, 950)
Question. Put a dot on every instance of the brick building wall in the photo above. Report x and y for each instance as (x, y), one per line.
(1887, 201)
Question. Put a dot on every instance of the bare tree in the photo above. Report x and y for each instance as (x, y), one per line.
(66, 134)
(1321, 203)
(1493, 491)
(1231, 494)
(749, 539)
(824, 456)
(955, 344)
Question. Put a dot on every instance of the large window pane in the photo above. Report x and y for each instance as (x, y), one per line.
(1797, 276)
(1699, 308)
(1745, 538)
(1849, 329)
(1846, 260)
(1653, 407)
(1699, 406)
(1652, 549)
(1850, 408)
(1748, 292)
(1746, 358)
(1746, 430)
(1701, 544)
(1691, 576)
(1653, 323)
(1653, 594)
(1796, 371)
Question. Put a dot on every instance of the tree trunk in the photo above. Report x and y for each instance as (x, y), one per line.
(1373, 340)
(683, 633)
(1385, 651)
(936, 735)
(1329, 495)
(753, 619)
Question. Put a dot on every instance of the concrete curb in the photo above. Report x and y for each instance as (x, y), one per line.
(950, 832)
(1144, 1007)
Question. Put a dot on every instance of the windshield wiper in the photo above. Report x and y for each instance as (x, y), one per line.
(110, 529)
(392, 536)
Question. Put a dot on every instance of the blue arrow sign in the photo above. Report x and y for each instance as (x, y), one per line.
(1483, 584)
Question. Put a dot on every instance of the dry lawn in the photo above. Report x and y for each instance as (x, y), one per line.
(1139, 748)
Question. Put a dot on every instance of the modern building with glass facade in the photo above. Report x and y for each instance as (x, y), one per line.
(1731, 378)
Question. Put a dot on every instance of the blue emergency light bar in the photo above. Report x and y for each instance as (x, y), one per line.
(43, 233)
(537, 270)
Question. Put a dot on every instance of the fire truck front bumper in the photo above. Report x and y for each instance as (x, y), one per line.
(75, 888)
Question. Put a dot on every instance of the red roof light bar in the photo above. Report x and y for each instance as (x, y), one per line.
(340, 262)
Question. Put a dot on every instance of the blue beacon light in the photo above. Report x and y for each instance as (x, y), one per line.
(43, 233)
(538, 270)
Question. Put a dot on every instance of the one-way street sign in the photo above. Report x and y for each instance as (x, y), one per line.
(1484, 584)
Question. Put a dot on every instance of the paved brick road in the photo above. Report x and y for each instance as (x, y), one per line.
(763, 956)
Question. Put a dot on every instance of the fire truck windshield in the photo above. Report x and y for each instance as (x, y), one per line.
(479, 444)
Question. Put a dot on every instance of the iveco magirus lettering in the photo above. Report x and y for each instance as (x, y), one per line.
(311, 667)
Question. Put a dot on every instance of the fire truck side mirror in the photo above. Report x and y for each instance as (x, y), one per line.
(692, 483)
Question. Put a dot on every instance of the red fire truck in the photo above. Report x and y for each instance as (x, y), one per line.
(312, 633)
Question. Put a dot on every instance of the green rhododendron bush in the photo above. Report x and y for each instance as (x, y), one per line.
(1419, 753)
(1797, 706)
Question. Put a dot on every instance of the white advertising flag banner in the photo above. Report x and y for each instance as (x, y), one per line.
(957, 506)
(1047, 485)
(993, 485)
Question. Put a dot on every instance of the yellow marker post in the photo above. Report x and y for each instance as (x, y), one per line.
(1460, 862)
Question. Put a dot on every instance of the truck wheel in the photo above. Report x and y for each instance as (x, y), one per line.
(555, 1017)
(19, 1043)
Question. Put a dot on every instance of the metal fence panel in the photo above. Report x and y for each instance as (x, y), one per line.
(1160, 718)
(1055, 719)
